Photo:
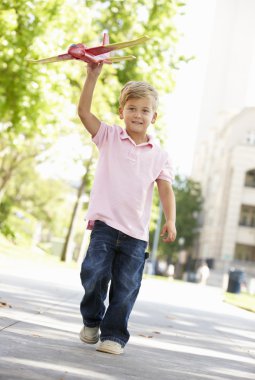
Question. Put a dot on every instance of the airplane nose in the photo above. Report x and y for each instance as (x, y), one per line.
(76, 51)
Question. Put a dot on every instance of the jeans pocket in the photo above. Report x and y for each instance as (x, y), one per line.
(99, 229)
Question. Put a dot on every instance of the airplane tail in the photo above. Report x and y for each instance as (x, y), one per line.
(106, 39)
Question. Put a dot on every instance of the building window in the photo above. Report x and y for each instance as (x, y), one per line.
(247, 216)
(244, 252)
(250, 138)
(250, 178)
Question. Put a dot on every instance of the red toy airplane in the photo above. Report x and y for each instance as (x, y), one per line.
(95, 54)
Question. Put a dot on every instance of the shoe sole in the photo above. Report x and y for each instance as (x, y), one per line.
(89, 340)
(109, 350)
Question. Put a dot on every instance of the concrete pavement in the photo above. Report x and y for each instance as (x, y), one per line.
(178, 331)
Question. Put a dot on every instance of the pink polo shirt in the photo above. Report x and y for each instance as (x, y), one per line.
(123, 186)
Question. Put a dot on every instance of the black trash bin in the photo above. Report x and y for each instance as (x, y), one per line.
(235, 280)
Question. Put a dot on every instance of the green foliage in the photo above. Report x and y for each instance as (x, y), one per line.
(154, 60)
(45, 200)
(188, 204)
(129, 19)
(20, 98)
(5, 210)
(34, 99)
(38, 102)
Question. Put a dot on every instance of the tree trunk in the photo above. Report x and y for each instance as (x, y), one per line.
(67, 253)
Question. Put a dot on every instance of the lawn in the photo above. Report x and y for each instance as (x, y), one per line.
(243, 300)
(21, 254)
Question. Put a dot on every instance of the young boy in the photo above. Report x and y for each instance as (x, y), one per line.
(119, 210)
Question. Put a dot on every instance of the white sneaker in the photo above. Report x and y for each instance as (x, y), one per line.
(110, 347)
(89, 335)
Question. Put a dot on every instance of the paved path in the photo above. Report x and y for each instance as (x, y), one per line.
(179, 331)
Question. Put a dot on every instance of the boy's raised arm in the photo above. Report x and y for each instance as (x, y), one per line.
(89, 120)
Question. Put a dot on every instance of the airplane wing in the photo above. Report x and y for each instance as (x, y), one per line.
(98, 50)
(119, 58)
(61, 57)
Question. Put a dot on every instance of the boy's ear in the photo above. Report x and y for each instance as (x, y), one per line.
(154, 118)
(121, 113)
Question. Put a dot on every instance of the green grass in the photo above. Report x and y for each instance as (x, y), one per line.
(243, 300)
(24, 252)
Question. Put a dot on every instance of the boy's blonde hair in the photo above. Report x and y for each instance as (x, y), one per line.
(136, 90)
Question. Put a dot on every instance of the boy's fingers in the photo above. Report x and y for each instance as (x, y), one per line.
(170, 238)
(163, 231)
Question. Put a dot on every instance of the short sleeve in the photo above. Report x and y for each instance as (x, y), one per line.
(102, 135)
(167, 171)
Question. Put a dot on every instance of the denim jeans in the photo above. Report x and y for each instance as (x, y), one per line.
(119, 258)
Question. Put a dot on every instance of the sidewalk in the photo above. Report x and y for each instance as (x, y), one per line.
(179, 331)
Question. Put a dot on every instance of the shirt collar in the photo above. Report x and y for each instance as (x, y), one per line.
(124, 135)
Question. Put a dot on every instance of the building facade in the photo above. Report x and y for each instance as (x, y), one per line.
(225, 167)
(224, 160)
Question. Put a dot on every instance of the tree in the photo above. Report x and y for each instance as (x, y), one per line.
(188, 204)
(35, 100)
(33, 106)
(44, 199)
(67, 249)
(156, 60)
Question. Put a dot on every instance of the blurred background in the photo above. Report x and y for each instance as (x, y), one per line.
(201, 58)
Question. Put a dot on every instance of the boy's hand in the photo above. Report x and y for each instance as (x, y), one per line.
(94, 69)
(168, 232)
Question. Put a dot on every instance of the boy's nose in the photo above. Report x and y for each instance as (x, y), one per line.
(138, 114)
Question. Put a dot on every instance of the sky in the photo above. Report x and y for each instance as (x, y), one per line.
(183, 105)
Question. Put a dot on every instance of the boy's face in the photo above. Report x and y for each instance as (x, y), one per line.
(138, 114)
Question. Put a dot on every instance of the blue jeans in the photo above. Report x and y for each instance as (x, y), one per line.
(119, 258)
